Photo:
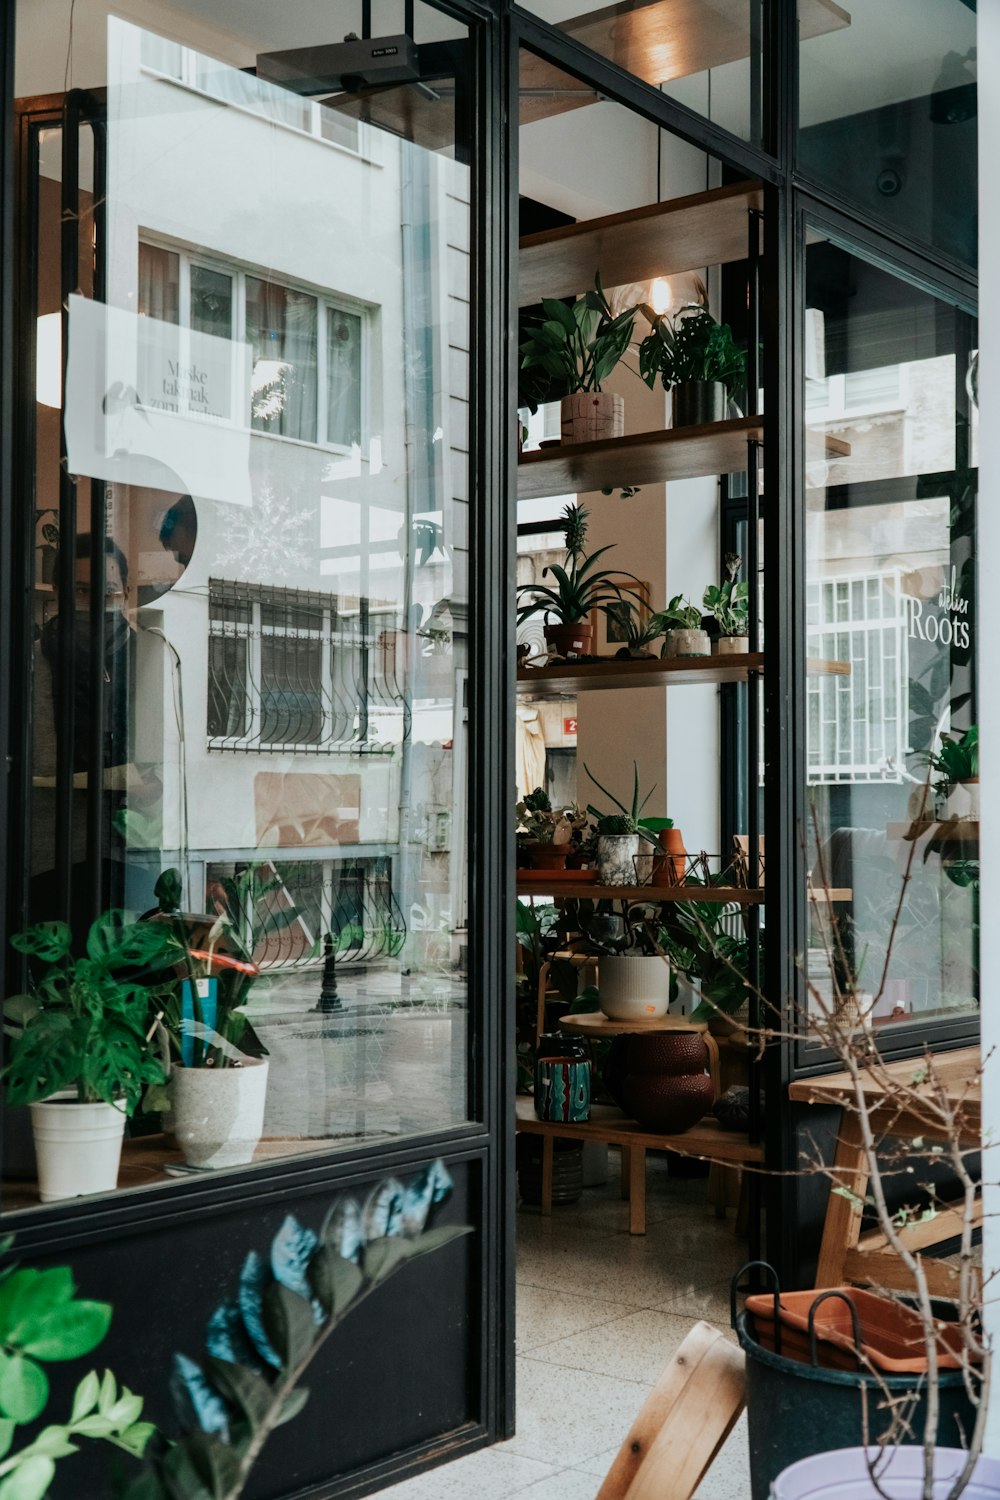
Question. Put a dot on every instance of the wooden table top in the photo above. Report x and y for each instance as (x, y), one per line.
(596, 1024)
(959, 1071)
(707, 1139)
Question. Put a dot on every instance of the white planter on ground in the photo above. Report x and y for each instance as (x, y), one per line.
(219, 1112)
(961, 801)
(633, 987)
(616, 858)
(592, 417)
(732, 645)
(688, 643)
(78, 1146)
(843, 1474)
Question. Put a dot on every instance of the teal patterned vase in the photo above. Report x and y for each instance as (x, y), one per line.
(562, 1080)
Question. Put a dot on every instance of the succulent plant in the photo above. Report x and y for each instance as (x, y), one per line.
(616, 823)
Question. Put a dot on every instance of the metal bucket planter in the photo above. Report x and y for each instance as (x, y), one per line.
(843, 1474)
(796, 1410)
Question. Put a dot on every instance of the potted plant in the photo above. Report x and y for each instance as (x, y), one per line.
(957, 768)
(633, 973)
(579, 346)
(696, 358)
(618, 834)
(79, 1045)
(218, 1065)
(579, 587)
(548, 831)
(729, 604)
(695, 937)
(639, 633)
(685, 637)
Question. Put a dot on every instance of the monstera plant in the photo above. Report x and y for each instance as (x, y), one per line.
(260, 1342)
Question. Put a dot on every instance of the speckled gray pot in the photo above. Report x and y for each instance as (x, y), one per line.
(616, 858)
(219, 1112)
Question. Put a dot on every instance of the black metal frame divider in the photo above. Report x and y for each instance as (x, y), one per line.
(484, 1147)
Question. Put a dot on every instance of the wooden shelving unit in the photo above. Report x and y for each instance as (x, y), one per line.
(642, 458)
(611, 674)
(581, 890)
(662, 239)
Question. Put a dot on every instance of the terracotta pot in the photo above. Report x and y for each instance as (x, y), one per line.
(592, 417)
(666, 1087)
(673, 869)
(548, 856)
(732, 645)
(570, 640)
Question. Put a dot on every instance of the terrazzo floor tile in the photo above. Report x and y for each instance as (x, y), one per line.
(490, 1474)
(546, 1317)
(634, 1347)
(639, 1270)
(568, 1484)
(599, 1463)
(563, 1420)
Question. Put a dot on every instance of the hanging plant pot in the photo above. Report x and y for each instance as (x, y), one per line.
(732, 645)
(78, 1147)
(688, 643)
(219, 1112)
(843, 1474)
(634, 987)
(697, 402)
(570, 640)
(592, 417)
(616, 858)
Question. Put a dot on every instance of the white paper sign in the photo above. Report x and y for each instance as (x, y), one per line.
(142, 395)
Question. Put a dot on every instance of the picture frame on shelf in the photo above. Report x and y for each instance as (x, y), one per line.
(609, 637)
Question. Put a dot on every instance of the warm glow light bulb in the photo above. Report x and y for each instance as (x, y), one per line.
(659, 295)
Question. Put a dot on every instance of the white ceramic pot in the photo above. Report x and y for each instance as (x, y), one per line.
(616, 858)
(962, 801)
(633, 987)
(732, 645)
(592, 417)
(78, 1146)
(219, 1112)
(843, 1474)
(688, 643)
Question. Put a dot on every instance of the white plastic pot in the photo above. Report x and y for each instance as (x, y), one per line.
(592, 417)
(962, 801)
(843, 1474)
(633, 987)
(732, 645)
(78, 1147)
(688, 643)
(616, 858)
(219, 1112)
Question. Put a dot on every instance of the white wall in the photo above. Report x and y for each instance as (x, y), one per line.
(989, 703)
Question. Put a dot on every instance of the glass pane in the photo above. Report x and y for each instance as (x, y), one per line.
(887, 115)
(891, 527)
(281, 331)
(703, 53)
(249, 653)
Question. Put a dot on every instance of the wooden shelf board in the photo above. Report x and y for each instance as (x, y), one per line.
(641, 458)
(568, 681)
(659, 40)
(567, 890)
(661, 239)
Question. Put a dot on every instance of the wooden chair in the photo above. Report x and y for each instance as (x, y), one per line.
(683, 1423)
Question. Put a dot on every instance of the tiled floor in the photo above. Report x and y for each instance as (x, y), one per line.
(599, 1312)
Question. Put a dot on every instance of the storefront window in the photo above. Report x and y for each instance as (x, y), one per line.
(891, 614)
(887, 116)
(257, 734)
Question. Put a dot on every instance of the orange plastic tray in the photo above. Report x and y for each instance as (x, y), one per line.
(891, 1335)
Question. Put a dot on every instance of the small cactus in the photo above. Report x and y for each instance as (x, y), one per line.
(616, 823)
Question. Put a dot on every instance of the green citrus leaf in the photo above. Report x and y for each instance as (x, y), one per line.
(24, 1388)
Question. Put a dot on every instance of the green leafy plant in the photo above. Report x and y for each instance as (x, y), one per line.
(539, 820)
(260, 1342)
(681, 616)
(85, 1023)
(729, 602)
(578, 589)
(42, 1321)
(957, 760)
(577, 346)
(639, 633)
(693, 935)
(647, 828)
(690, 345)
